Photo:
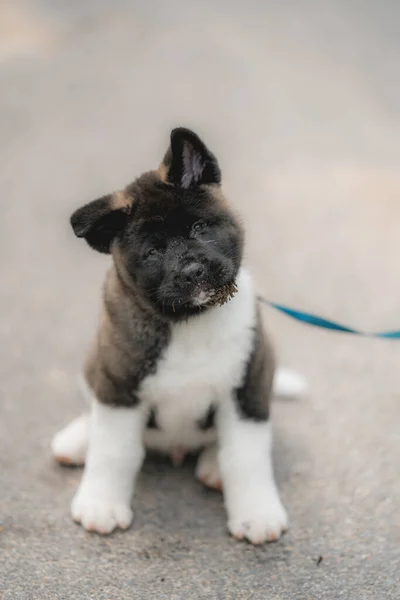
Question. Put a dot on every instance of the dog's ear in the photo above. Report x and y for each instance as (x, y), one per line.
(101, 220)
(188, 162)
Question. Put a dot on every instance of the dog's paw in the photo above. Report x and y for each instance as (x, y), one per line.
(207, 469)
(100, 515)
(263, 519)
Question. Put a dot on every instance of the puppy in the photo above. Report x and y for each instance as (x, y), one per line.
(180, 362)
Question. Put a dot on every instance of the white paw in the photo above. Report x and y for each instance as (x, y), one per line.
(259, 519)
(69, 446)
(207, 469)
(101, 515)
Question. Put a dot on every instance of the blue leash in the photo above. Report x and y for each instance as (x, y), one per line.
(316, 321)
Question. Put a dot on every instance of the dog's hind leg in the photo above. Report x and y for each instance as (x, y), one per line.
(207, 469)
(289, 384)
(70, 444)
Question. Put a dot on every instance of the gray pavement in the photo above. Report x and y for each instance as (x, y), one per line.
(301, 102)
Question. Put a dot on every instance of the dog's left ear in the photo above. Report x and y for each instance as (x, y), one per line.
(188, 162)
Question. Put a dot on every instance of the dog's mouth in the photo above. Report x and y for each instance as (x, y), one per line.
(204, 297)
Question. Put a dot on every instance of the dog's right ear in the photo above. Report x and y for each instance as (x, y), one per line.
(188, 162)
(101, 220)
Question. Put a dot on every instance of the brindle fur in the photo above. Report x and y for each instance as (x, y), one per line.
(130, 339)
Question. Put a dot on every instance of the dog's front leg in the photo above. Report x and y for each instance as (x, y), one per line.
(115, 455)
(254, 509)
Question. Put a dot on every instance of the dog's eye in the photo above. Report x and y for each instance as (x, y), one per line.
(151, 252)
(199, 226)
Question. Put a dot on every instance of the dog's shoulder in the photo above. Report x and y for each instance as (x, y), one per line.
(129, 341)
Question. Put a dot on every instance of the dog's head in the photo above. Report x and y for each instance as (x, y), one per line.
(173, 238)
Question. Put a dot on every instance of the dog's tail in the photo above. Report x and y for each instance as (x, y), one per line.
(289, 384)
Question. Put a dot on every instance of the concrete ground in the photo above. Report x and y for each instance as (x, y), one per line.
(301, 102)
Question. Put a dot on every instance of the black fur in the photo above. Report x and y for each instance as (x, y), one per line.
(98, 224)
(189, 160)
(253, 395)
(152, 421)
(171, 232)
(208, 421)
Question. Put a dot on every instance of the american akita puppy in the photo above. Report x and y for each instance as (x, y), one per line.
(180, 361)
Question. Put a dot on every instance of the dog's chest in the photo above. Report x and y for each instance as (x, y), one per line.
(203, 362)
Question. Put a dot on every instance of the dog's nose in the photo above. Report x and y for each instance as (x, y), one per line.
(192, 272)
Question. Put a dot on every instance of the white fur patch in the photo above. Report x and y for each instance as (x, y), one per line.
(115, 455)
(203, 362)
(255, 511)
